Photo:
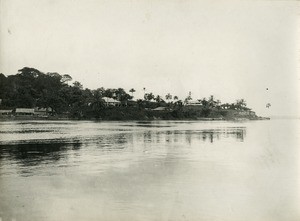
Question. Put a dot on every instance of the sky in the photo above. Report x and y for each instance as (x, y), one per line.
(229, 49)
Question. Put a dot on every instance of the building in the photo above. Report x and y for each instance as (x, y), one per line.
(5, 112)
(160, 109)
(111, 102)
(40, 111)
(193, 102)
(24, 111)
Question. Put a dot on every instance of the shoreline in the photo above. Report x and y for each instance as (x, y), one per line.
(29, 118)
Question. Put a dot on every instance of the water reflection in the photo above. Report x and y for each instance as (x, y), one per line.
(51, 151)
(32, 154)
(172, 171)
(207, 135)
(112, 164)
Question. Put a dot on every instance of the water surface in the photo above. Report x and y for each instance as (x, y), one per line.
(158, 170)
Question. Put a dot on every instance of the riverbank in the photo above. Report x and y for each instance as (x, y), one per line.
(134, 113)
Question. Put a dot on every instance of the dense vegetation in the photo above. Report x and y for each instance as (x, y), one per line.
(31, 88)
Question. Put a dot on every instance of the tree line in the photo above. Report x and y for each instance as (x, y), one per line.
(31, 88)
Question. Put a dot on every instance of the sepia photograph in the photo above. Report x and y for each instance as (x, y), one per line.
(149, 110)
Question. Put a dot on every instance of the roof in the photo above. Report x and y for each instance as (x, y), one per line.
(42, 109)
(193, 102)
(5, 111)
(24, 110)
(159, 109)
(110, 100)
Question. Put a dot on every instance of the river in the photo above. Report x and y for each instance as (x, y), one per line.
(150, 170)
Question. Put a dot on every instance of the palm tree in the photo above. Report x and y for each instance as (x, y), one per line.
(144, 91)
(149, 97)
(175, 97)
(168, 96)
(158, 99)
(132, 91)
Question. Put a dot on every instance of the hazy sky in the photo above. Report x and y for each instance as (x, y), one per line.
(228, 49)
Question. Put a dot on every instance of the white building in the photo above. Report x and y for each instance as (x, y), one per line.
(193, 102)
(24, 111)
(5, 112)
(42, 111)
(111, 102)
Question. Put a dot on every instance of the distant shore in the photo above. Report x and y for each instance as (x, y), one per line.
(130, 113)
(155, 119)
(32, 94)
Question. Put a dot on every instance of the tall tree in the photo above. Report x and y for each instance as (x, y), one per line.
(149, 97)
(78, 85)
(168, 97)
(240, 104)
(158, 99)
(121, 95)
(132, 91)
(66, 78)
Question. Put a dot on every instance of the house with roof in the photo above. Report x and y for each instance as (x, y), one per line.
(192, 102)
(24, 112)
(40, 111)
(160, 109)
(5, 112)
(111, 102)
